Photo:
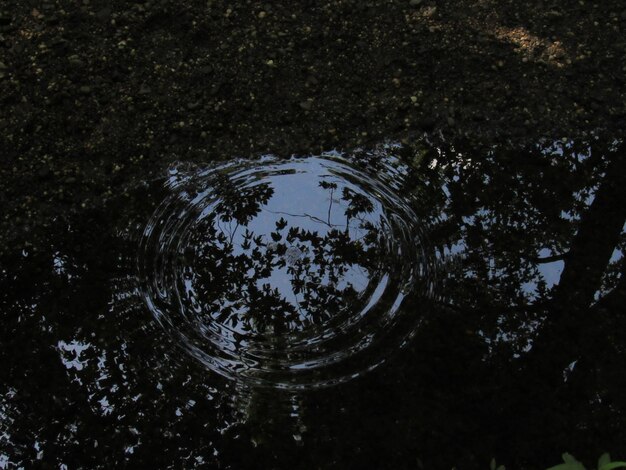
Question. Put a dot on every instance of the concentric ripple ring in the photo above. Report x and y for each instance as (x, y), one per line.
(294, 273)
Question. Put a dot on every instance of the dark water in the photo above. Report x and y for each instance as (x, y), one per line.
(288, 273)
(422, 306)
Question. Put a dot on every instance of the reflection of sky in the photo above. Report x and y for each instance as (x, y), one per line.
(551, 272)
(300, 200)
(616, 256)
(71, 354)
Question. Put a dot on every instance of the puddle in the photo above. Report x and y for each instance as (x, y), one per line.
(373, 309)
(288, 273)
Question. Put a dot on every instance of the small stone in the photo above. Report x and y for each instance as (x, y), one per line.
(3, 66)
(451, 121)
(262, 15)
(430, 11)
(193, 105)
(44, 172)
(85, 90)
(415, 3)
(145, 90)
(104, 14)
(75, 61)
(413, 99)
(311, 80)
(306, 105)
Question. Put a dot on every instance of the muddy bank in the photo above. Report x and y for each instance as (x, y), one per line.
(95, 97)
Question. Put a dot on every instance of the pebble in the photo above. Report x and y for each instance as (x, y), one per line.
(145, 90)
(85, 90)
(306, 105)
(312, 80)
(415, 3)
(44, 172)
(104, 14)
(75, 61)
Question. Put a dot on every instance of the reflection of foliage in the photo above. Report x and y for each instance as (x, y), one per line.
(233, 280)
(616, 270)
(240, 204)
(507, 215)
(357, 204)
(503, 208)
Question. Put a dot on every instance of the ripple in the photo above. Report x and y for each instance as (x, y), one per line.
(293, 273)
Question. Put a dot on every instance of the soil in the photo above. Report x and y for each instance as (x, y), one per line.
(96, 96)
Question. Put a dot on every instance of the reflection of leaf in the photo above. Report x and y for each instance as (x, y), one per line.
(241, 204)
(327, 185)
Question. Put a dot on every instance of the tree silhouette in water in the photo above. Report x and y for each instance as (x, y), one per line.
(231, 275)
(467, 389)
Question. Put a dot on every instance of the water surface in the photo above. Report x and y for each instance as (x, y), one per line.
(421, 306)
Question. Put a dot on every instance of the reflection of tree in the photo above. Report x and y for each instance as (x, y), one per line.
(453, 396)
(231, 277)
(239, 204)
(509, 214)
(505, 208)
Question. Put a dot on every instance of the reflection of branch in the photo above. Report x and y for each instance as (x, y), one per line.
(330, 206)
(534, 307)
(312, 217)
(232, 234)
(615, 297)
(548, 259)
(297, 301)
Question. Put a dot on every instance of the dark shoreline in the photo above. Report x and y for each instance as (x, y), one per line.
(96, 96)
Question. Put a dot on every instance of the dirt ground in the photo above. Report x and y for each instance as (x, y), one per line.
(97, 95)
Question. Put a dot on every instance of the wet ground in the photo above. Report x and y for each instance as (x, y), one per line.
(435, 280)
